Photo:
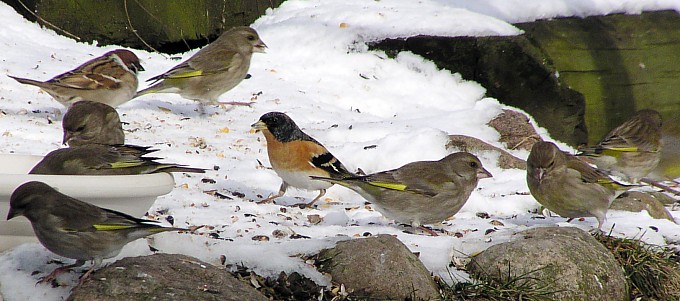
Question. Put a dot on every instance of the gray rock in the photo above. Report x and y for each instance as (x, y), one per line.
(636, 201)
(474, 145)
(164, 277)
(569, 260)
(515, 129)
(380, 267)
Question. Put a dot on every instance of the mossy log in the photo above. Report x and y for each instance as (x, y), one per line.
(168, 26)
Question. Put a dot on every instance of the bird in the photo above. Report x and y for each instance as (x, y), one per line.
(631, 150)
(564, 184)
(213, 70)
(75, 229)
(110, 79)
(101, 159)
(89, 122)
(421, 192)
(295, 156)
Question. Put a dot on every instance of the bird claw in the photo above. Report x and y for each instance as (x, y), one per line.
(52, 277)
(428, 231)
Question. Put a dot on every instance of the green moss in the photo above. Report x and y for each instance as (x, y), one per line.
(621, 63)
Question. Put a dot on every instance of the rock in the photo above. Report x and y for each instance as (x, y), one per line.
(379, 267)
(515, 129)
(636, 201)
(573, 263)
(164, 277)
(474, 145)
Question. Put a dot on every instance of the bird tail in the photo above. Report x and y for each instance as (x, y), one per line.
(27, 81)
(597, 151)
(330, 180)
(180, 168)
(157, 229)
(149, 90)
(340, 181)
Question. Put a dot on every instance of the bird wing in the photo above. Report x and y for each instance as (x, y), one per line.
(590, 174)
(413, 177)
(100, 72)
(323, 159)
(203, 63)
(75, 216)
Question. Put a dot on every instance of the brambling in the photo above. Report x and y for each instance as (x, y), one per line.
(568, 186)
(213, 70)
(295, 156)
(100, 159)
(110, 79)
(422, 192)
(75, 229)
(631, 150)
(88, 122)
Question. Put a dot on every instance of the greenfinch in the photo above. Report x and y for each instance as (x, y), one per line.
(88, 122)
(295, 156)
(75, 229)
(422, 192)
(110, 79)
(568, 186)
(631, 150)
(213, 70)
(100, 159)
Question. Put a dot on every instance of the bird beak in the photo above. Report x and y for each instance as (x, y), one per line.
(483, 173)
(67, 137)
(11, 214)
(540, 174)
(260, 47)
(259, 125)
(138, 67)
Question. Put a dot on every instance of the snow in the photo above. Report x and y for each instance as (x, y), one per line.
(319, 71)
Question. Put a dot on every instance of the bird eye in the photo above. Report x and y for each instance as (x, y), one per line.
(251, 38)
(80, 128)
(473, 164)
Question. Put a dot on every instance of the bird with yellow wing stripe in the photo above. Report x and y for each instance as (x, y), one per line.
(422, 192)
(76, 229)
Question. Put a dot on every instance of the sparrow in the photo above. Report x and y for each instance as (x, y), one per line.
(568, 186)
(295, 156)
(110, 79)
(100, 159)
(213, 70)
(631, 150)
(89, 122)
(422, 192)
(75, 229)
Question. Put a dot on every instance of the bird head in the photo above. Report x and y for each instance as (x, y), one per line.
(25, 197)
(282, 127)
(245, 38)
(544, 160)
(88, 122)
(466, 165)
(128, 59)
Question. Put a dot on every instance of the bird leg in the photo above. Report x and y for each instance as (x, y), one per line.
(428, 230)
(236, 103)
(58, 271)
(659, 185)
(308, 205)
(282, 190)
(87, 274)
